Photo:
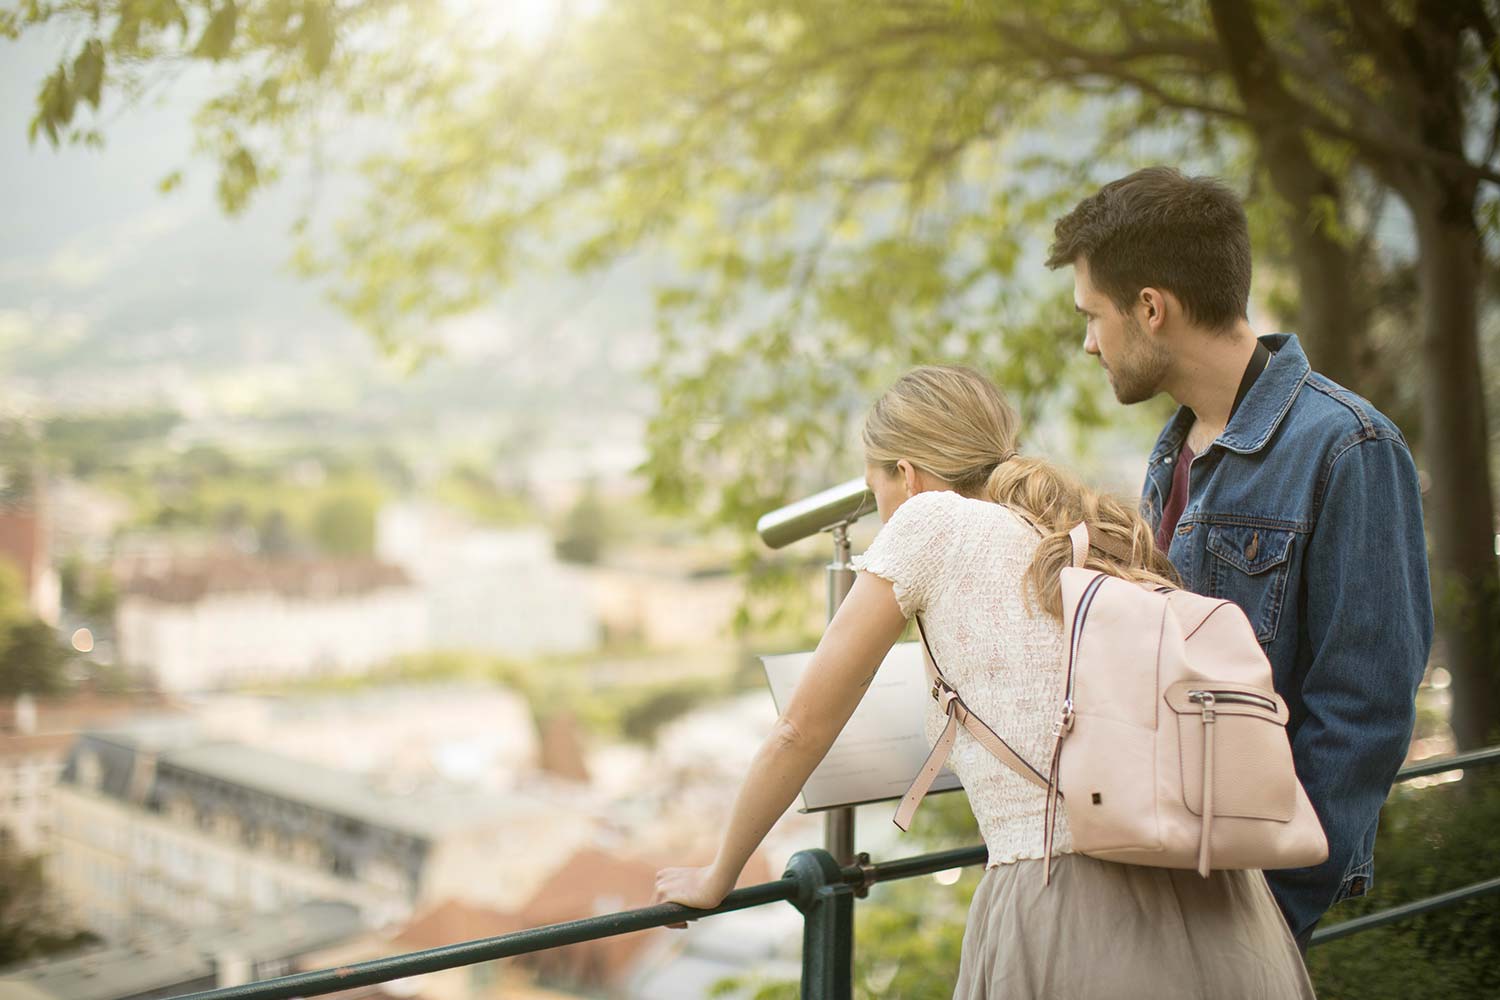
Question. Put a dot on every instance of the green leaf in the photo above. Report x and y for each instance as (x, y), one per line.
(218, 36)
(165, 14)
(127, 34)
(55, 105)
(238, 178)
(88, 71)
(317, 36)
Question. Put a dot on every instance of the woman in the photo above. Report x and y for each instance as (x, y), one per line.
(974, 539)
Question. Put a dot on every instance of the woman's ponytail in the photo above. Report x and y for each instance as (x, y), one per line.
(1054, 501)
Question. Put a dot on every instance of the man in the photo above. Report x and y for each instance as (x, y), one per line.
(1272, 487)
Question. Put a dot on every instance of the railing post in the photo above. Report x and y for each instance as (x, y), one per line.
(827, 905)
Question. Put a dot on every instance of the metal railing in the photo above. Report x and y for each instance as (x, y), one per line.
(1442, 901)
(821, 889)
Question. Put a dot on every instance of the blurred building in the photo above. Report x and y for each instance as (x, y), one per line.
(195, 958)
(35, 735)
(466, 734)
(591, 883)
(450, 922)
(490, 590)
(160, 831)
(85, 518)
(666, 599)
(587, 883)
(29, 766)
(763, 944)
(216, 622)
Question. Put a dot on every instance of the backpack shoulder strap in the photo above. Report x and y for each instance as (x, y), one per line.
(958, 715)
(1079, 536)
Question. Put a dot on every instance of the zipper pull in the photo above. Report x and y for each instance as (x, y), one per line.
(1204, 857)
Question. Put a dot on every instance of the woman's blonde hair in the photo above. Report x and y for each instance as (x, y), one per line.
(955, 424)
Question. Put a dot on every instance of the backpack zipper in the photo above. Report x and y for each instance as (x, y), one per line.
(1207, 698)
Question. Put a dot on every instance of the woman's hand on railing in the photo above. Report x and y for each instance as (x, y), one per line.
(702, 888)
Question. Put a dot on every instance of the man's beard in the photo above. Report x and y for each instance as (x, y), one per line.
(1142, 366)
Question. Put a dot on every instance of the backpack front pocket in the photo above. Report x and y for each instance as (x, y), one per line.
(1247, 728)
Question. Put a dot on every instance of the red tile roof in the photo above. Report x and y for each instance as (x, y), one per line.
(187, 581)
(591, 883)
(82, 710)
(452, 921)
(47, 744)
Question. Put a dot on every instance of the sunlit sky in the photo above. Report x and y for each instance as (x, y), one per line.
(94, 255)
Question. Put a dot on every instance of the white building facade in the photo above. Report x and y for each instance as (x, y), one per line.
(228, 623)
(29, 766)
(487, 589)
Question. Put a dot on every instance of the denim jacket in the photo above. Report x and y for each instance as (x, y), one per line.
(1306, 512)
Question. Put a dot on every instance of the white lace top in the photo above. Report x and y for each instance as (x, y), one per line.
(961, 562)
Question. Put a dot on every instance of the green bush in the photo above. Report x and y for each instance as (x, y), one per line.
(1431, 840)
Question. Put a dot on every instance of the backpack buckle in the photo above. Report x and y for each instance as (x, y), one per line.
(1064, 724)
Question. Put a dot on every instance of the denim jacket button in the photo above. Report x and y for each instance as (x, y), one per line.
(1167, 460)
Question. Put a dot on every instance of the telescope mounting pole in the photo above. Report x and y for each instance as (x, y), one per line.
(838, 828)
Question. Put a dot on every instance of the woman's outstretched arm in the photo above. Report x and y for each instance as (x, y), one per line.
(863, 631)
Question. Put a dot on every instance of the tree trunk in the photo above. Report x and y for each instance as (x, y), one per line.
(1459, 509)
(1328, 323)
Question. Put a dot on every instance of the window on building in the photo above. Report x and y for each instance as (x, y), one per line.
(90, 771)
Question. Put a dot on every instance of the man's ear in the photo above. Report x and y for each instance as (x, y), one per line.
(1153, 307)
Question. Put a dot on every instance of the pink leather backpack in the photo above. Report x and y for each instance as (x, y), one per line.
(1171, 747)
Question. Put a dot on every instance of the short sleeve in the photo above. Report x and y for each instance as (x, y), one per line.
(911, 550)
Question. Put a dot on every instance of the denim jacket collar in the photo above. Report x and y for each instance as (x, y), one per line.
(1261, 411)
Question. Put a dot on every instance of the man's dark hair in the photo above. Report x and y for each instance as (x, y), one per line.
(1159, 229)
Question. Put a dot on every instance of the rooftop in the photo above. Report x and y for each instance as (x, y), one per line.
(189, 581)
(425, 813)
(452, 921)
(47, 744)
(36, 715)
(109, 972)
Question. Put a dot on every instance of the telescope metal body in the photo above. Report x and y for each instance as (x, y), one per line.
(841, 504)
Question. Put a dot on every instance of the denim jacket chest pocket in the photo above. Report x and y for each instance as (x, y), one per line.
(1249, 566)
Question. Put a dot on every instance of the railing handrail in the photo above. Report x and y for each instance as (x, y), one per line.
(1415, 908)
(1452, 762)
(452, 956)
(797, 886)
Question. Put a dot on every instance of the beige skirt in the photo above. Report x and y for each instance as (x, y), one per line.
(1125, 931)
